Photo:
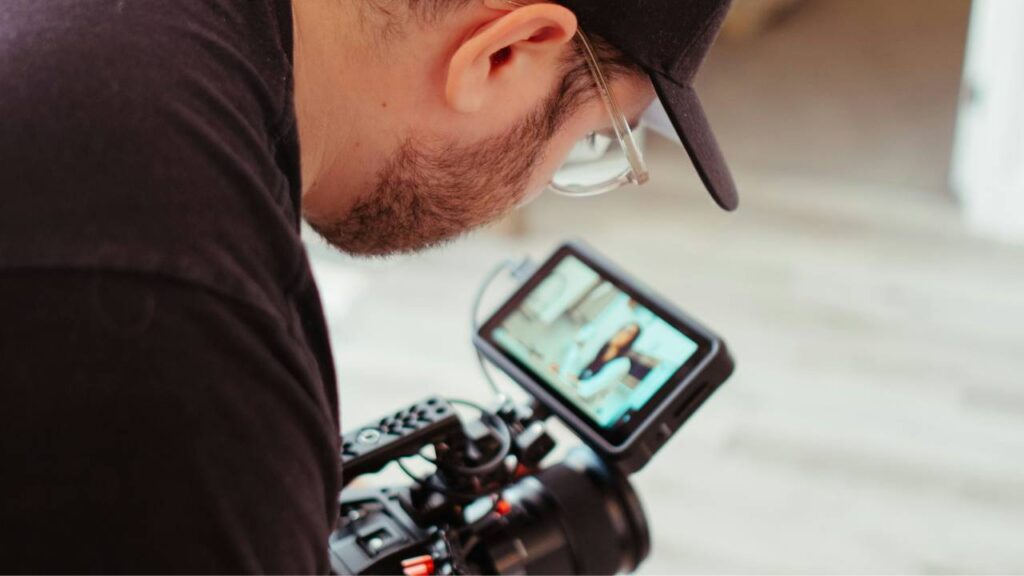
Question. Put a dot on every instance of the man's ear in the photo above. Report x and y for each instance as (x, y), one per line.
(505, 57)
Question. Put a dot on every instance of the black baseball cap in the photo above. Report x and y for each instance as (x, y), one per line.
(669, 39)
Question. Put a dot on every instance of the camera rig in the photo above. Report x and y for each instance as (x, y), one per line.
(488, 506)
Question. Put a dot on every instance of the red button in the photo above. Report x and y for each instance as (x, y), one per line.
(418, 566)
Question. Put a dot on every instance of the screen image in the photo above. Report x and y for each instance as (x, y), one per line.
(592, 343)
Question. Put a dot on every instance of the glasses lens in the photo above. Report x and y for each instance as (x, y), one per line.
(593, 162)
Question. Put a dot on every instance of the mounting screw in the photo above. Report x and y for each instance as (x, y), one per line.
(369, 436)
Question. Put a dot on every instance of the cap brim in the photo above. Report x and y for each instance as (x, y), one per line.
(687, 116)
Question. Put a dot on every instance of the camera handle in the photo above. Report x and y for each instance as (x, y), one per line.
(404, 433)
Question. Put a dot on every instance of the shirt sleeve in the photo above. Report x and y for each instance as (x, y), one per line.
(151, 426)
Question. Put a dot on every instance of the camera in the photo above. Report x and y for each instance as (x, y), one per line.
(619, 366)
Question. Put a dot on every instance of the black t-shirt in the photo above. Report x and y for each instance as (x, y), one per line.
(167, 394)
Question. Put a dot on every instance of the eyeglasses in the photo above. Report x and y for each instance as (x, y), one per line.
(605, 163)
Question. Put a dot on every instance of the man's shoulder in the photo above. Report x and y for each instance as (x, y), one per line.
(137, 56)
(147, 134)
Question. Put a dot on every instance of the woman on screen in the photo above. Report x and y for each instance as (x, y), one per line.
(611, 364)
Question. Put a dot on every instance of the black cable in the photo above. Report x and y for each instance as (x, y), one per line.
(475, 317)
(427, 458)
(506, 442)
(517, 270)
(478, 407)
(410, 474)
(426, 483)
(471, 471)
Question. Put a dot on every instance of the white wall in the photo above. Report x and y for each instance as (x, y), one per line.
(988, 163)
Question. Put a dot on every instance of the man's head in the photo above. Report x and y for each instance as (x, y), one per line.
(421, 119)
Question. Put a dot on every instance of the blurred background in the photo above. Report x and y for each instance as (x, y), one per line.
(871, 287)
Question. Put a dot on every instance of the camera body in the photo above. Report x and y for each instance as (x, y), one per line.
(621, 367)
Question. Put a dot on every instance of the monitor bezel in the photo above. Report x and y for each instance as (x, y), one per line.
(613, 442)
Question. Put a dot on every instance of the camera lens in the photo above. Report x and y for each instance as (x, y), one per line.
(578, 517)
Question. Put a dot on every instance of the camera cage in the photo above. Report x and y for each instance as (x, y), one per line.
(433, 518)
(459, 517)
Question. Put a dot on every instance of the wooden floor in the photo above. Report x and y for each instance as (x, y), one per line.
(876, 420)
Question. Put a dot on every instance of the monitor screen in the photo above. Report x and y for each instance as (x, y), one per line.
(592, 343)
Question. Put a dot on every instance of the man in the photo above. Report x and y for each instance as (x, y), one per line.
(168, 395)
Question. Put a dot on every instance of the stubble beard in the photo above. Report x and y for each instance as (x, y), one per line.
(429, 194)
